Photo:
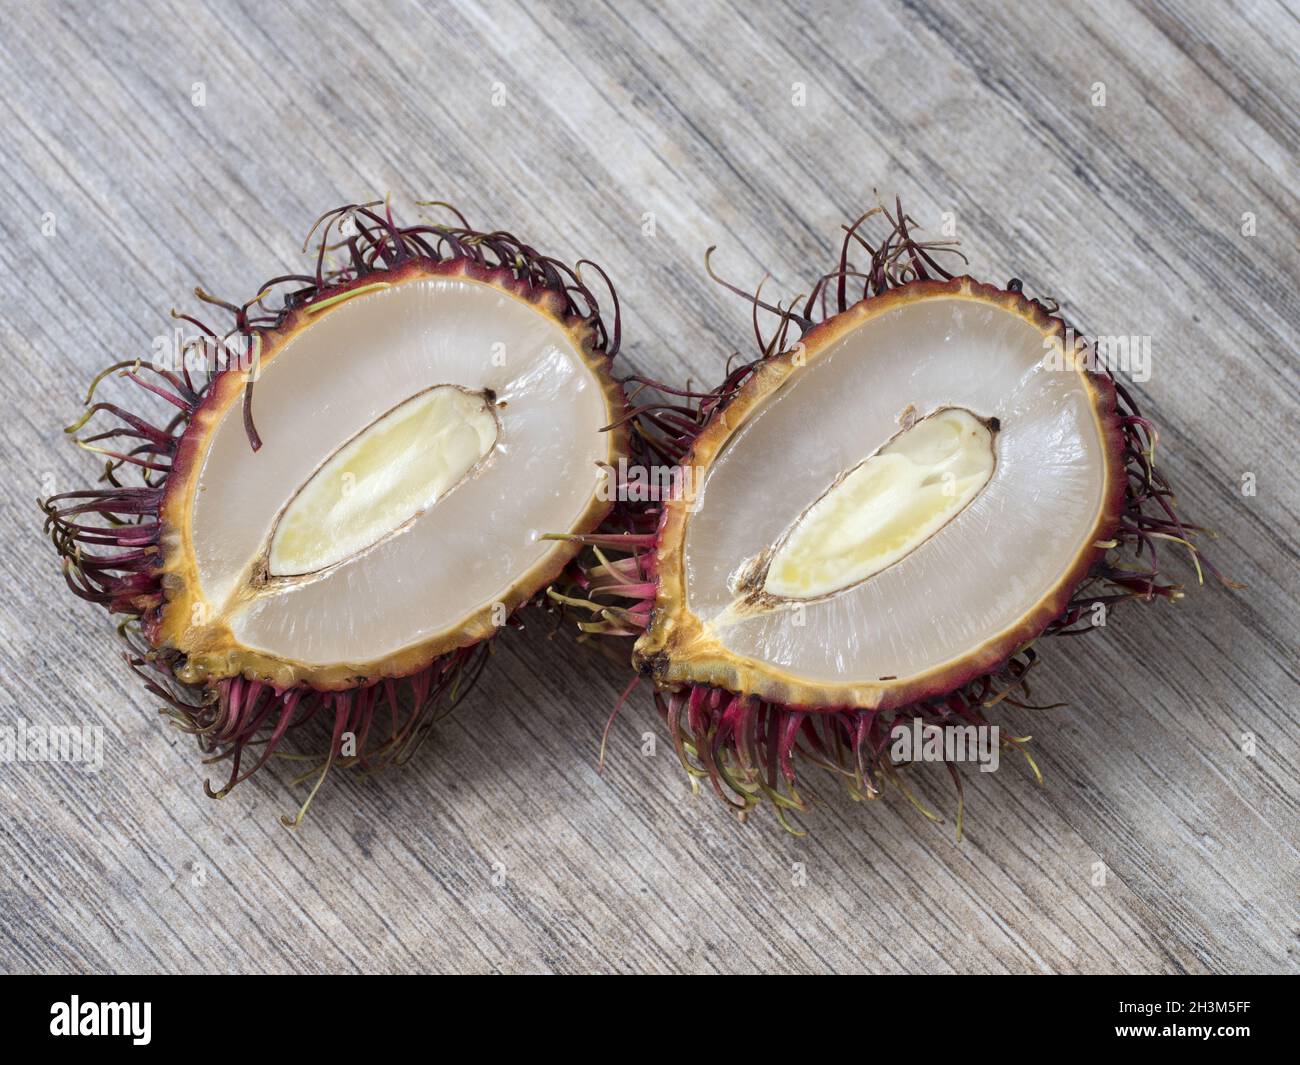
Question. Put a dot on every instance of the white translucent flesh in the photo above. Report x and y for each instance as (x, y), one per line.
(392, 472)
(338, 377)
(978, 574)
(885, 507)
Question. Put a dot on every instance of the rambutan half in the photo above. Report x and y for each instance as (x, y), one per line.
(873, 522)
(341, 503)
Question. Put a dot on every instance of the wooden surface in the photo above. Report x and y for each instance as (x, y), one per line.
(502, 848)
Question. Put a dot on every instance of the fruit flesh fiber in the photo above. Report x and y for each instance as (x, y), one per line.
(885, 507)
(391, 473)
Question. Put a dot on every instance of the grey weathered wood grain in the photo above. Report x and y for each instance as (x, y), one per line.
(1132, 213)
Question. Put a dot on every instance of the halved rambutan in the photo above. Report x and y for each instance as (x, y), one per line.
(872, 524)
(345, 503)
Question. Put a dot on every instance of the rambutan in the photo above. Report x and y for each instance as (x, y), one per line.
(874, 521)
(340, 504)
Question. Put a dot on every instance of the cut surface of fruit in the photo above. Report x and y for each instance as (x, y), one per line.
(973, 466)
(417, 436)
